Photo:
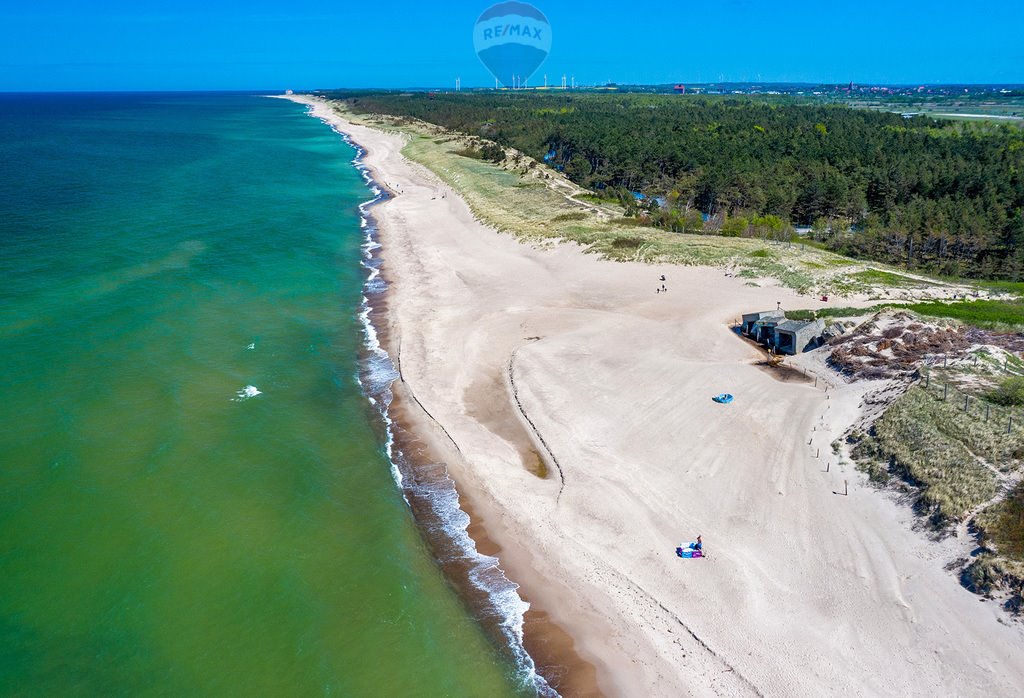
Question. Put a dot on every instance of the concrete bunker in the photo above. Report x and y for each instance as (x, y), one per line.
(772, 329)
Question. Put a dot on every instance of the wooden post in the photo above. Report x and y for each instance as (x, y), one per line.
(818, 454)
(927, 379)
(828, 465)
(815, 381)
(846, 488)
(965, 402)
(945, 391)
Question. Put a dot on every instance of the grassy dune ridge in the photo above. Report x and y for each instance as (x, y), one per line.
(521, 197)
(947, 452)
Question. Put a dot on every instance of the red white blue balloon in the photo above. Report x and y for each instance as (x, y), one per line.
(512, 39)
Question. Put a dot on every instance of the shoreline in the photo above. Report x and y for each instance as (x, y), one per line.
(412, 460)
(652, 465)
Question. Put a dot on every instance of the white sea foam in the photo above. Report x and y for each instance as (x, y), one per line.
(376, 375)
(251, 346)
(249, 391)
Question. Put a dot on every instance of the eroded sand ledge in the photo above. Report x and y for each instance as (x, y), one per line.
(804, 593)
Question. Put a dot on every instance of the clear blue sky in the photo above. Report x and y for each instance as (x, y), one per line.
(304, 44)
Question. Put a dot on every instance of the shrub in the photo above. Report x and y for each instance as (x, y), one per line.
(1010, 392)
(983, 575)
(492, 152)
(1004, 524)
(624, 243)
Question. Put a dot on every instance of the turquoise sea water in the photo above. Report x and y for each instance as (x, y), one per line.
(194, 493)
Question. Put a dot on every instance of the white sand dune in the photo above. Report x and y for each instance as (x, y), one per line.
(804, 592)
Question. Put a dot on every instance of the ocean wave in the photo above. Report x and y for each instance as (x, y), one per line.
(446, 518)
(249, 391)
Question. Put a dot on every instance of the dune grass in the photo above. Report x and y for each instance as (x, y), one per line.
(833, 312)
(936, 445)
(877, 277)
(1003, 524)
(1009, 392)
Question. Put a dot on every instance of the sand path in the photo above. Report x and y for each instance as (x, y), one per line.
(516, 350)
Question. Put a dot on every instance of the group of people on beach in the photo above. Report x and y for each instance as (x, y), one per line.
(662, 288)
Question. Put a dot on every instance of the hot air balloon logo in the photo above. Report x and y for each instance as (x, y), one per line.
(512, 39)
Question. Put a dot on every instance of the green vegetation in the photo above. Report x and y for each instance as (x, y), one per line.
(988, 572)
(1009, 393)
(832, 312)
(1004, 524)
(573, 216)
(473, 153)
(876, 277)
(936, 445)
(1015, 288)
(489, 152)
(942, 196)
(991, 314)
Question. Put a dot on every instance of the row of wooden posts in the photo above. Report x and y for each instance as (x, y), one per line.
(967, 402)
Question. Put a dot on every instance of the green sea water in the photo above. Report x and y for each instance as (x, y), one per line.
(194, 495)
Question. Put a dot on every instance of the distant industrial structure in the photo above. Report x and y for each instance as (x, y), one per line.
(772, 329)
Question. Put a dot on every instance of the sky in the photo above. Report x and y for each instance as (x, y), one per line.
(308, 44)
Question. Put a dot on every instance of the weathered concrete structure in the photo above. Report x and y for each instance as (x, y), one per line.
(761, 326)
(794, 336)
(771, 328)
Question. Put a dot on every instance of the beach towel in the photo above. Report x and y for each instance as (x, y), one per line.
(689, 551)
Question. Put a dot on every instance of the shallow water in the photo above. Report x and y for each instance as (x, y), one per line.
(194, 494)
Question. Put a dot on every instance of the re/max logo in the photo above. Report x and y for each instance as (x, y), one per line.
(524, 31)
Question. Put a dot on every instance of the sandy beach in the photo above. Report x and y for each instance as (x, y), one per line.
(517, 360)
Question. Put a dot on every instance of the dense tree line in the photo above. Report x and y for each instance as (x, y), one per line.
(942, 196)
